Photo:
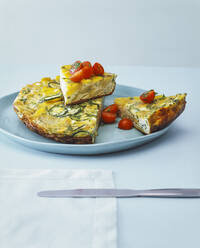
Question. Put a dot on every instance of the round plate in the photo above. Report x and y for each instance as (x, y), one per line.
(110, 138)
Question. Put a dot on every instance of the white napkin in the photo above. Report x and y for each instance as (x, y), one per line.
(28, 221)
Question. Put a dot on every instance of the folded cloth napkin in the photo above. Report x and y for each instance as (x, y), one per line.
(29, 221)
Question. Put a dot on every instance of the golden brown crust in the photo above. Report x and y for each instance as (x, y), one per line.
(63, 139)
(164, 116)
(86, 100)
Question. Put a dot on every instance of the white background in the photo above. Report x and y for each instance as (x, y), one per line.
(38, 36)
(114, 32)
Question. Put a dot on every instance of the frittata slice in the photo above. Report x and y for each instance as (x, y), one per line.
(151, 117)
(41, 107)
(86, 89)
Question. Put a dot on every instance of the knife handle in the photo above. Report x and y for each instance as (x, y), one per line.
(170, 193)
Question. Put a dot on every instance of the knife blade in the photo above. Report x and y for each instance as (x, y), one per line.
(122, 193)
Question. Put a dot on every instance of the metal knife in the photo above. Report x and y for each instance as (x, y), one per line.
(122, 193)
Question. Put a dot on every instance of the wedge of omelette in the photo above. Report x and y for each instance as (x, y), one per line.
(151, 117)
(86, 89)
(41, 108)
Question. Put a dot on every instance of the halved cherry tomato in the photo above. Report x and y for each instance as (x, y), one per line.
(108, 117)
(111, 109)
(84, 73)
(148, 96)
(98, 69)
(76, 66)
(86, 63)
(125, 124)
(87, 72)
(77, 76)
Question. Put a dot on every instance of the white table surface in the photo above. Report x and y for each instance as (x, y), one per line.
(171, 161)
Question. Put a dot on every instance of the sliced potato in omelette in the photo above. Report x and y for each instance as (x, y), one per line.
(151, 117)
(41, 107)
(86, 89)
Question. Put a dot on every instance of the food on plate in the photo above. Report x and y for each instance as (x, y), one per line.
(81, 82)
(84, 73)
(108, 117)
(86, 63)
(109, 114)
(41, 108)
(125, 124)
(148, 96)
(113, 108)
(68, 108)
(154, 116)
(76, 66)
(98, 69)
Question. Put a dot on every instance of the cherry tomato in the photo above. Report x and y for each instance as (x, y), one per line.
(87, 72)
(108, 117)
(77, 76)
(125, 124)
(98, 69)
(84, 73)
(86, 63)
(148, 96)
(76, 66)
(111, 109)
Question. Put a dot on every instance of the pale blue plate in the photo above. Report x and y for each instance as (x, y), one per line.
(110, 138)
